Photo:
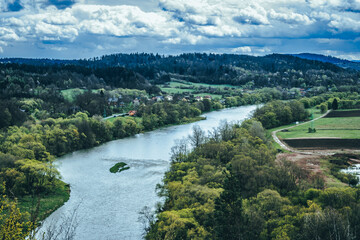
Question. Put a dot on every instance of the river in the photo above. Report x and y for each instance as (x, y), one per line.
(354, 169)
(107, 204)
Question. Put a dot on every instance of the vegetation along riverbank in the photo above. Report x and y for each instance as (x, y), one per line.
(51, 108)
(235, 185)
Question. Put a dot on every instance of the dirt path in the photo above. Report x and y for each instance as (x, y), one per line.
(286, 147)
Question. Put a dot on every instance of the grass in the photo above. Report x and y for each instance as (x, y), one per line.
(179, 83)
(48, 203)
(119, 167)
(176, 90)
(317, 113)
(331, 180)
(71, 93)
(180, 86)
(213, 96)
(136, 119)
(327, 127)
(278, 128)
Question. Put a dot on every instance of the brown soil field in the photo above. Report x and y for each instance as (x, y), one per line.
(323, 143)
(352, 113)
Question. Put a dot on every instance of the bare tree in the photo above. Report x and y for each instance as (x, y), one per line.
(180, 150)
(63, 228)
(198, 136)
(147, 218)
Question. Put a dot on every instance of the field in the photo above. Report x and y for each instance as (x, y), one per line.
(323, 143)
(70, 94)
(180, 86)
(176, 90)
(347, 128)
(180, 83)
(208, 94)
(335, 114)
(315, 111)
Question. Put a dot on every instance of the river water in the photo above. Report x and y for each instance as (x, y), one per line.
(107, 204)
(354, 169)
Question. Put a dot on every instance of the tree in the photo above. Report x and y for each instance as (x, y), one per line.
(12, 225)
(198, 136)
(323, 108)
(207, 105)
(229, 221)
(335, 104)
(5, 119)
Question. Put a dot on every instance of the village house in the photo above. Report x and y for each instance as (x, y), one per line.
(136, 102)
(158, 98)
(169, 98)
(112, 101)
(132, 113)
(198, 98)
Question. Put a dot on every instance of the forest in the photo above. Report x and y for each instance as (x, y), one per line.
(232, 186)
(130, 70)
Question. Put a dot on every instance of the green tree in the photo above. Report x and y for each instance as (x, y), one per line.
(323, 108)
(12, 223)
(335, 104)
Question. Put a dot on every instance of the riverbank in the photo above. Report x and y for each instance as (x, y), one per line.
(98, 190)
(45, 204)
(48, 203)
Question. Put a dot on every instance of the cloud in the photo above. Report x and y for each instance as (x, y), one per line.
(232, 25)
(338, 5)
(343, 24)
(254, 14)
(291, 17)
(245, 49)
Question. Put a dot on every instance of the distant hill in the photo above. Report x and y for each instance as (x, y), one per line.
(329, 59)
(139, 70)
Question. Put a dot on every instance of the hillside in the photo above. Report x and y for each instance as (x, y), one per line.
(329, 59)
(238, 70)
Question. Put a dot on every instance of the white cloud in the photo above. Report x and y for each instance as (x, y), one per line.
(342, 24)
(340, 5)
(291, 17)
(254, 14)
(244, 49)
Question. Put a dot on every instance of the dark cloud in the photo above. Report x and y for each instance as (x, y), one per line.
(14, 6)
(61, 4)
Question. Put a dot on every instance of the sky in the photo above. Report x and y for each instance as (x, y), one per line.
(73, 29)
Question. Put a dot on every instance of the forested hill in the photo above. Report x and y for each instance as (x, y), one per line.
(329, 59)
(15, 77)
(240, 70)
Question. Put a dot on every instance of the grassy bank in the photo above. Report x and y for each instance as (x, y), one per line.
(47, 203)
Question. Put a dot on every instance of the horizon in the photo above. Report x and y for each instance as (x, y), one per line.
(78, 29)
(168, 55)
